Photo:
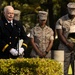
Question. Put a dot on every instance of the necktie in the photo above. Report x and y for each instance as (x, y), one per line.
(10, 25)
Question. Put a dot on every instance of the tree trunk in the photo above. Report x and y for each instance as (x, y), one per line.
(51, 19)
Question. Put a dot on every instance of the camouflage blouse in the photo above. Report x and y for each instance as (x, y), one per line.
(42, 37)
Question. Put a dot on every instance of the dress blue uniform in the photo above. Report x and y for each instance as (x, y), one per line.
(9, 37)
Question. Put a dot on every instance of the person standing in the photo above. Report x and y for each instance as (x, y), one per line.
(65, 27)
(42, 37)
(11, 31)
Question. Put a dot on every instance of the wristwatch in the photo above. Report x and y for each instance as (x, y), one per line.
(46, 52)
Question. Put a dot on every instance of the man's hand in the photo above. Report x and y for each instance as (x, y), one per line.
(21, 50)
(14, 52)
(70, 46)
(42, 54)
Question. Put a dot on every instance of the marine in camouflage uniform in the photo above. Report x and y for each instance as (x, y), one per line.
(42, 41)
(65, 27)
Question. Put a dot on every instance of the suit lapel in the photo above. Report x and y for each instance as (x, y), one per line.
(8, 27)
(15, 29)
(11, 30)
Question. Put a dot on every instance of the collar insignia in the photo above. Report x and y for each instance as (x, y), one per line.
(5, 23)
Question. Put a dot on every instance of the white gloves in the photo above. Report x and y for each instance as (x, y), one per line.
(14, 52)
(21, 50)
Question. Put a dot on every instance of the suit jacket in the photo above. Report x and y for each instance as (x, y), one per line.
(9, 37)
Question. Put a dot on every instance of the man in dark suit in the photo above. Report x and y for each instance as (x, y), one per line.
(11, 31)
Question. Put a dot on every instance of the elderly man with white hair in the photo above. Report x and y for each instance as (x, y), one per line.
(65, 27)
(11, 31)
